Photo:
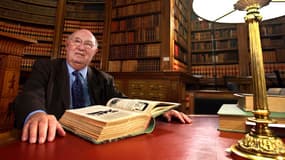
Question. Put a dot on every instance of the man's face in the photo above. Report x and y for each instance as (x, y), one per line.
(80, 49)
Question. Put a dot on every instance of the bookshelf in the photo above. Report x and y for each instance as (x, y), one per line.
(163, 86)
(220, 51)
(146, 36)
(11, 50)
(40, 20)
(88, 15)
(31, 19)
(43, 35)
(214, 49)
(273, 45)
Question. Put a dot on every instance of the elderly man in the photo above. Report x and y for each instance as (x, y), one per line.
(49, 90)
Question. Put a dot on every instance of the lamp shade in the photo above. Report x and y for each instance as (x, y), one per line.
(223, 11)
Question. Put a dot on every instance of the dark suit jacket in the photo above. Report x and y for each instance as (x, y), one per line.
(48, 89)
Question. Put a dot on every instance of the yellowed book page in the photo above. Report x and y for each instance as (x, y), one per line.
(139, 105)
(104, 114)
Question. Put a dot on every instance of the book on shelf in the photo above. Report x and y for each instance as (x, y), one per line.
(233, 119)
(120, 118)
(275, 102)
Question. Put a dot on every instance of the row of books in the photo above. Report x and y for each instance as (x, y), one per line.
(179, 66)
(233, 69)
(152, 65)
(198, 25)
(181, 30)
(180, 24)
(219, 34)
(272, 29)
(87, 13)
(135, 51)
(269, 56)
(145, 35)
(9, 62)
(181, 38)
(11, 47)
(227, 57)
(137, 9)
(227, 44)
(220, 70)
(271, 67)
(272, 42)
(180, 14)
(182, 6)
(39, 49)
(180, 53)
(118, 3)
(27, 64)
(36, 33)
(94, 26)
(141, 22)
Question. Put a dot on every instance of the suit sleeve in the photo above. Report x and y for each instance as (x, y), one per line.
(33, 95)
(107, 88)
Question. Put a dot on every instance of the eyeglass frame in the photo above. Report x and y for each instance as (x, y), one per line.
(78, 41)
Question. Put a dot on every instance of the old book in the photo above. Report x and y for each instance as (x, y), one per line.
(232, 118)
(120, 118)
(275, 102)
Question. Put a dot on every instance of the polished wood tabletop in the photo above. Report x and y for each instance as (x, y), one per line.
(172, 141)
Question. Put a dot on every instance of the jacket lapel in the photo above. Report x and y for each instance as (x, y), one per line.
(93, 87)
(63, 83)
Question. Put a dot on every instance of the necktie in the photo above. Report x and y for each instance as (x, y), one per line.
(78, 99)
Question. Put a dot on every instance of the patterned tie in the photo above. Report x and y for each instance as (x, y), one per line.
(78, 99)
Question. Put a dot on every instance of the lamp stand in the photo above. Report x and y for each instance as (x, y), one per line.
(260, 142)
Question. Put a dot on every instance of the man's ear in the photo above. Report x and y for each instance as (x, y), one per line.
(96, 50)
(66, 42)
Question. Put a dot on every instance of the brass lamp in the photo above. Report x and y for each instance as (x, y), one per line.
(260, 142)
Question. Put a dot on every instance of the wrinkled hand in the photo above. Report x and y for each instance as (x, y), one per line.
(41, 127)
(183, 118)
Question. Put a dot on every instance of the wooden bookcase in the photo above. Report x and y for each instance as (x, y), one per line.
(273, 47)
(214, 49)
(220, 51)
(163, 86)
(11, 50)
(34, 20)
(146, 36)
(43, 34)
(40, 20)
(87, 15)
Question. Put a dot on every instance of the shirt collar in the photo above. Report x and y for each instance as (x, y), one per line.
(82, 71)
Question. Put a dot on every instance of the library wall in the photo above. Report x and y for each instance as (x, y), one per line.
(37, 20)
(32, 20)
(146, 36)
(220, 51)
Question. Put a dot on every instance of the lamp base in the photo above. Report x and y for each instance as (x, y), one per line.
(258, 147)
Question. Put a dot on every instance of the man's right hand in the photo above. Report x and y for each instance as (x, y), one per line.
(41, 127)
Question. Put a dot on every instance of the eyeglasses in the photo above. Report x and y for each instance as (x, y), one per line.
(87, 44)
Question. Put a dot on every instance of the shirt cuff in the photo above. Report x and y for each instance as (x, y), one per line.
(32, 113)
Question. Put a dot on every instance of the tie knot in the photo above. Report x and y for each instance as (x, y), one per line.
(76, 74)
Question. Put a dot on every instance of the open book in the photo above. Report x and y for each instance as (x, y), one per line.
(120, 118)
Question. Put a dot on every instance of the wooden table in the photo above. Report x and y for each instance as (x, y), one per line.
(171, 141)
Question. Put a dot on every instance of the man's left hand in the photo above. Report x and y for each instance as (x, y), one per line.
(183, 118)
